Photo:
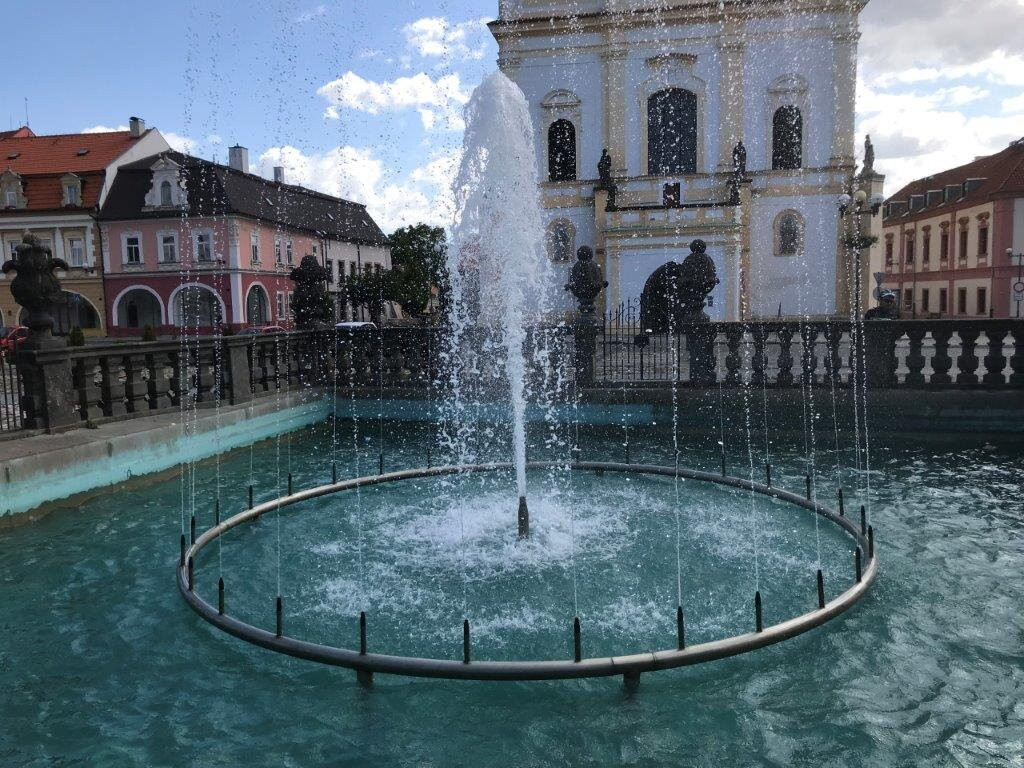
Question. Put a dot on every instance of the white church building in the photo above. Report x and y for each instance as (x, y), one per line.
(669, 88)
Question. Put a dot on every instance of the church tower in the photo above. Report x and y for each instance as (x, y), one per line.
(670, 88)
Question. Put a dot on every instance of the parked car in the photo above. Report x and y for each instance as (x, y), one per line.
(355, 326)
(12, 338)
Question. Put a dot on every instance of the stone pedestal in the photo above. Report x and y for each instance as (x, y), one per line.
(45, 369)
(236, 365)
(585, 348)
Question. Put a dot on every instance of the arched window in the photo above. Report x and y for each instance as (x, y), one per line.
(562, 151)
(257, 306)
(787, 138)
(561, 240)
(196, 306)
(789, 234)
(74, 311)
(672, 132)
(165, 194)
(138, 308)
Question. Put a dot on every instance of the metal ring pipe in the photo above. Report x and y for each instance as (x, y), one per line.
(529, 669)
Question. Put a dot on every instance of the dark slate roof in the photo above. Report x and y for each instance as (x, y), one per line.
(218, 190)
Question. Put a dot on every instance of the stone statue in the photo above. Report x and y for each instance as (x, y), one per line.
(676, 294)
(604, 170)
(887, 309)
(739, 160)
(869, 156)
(586, 280)
(36, 287)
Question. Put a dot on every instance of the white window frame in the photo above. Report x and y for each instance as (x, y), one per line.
(254, 248)
(161, 244)
(11, 198)
(195, 246)
(281, 308)
(137, 236)
(278, 258)
(72, 194)
(289, 252)
(72, 261)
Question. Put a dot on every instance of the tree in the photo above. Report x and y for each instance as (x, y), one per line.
(369, 289)
(311, 304)
(418, 258)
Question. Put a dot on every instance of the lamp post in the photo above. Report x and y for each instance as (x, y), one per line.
(1018, 284)
(853, 207)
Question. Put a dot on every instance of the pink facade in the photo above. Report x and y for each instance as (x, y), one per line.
(158, 269)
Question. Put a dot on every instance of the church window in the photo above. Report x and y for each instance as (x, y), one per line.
(562, 151)
(789, 234)
(787, 138)
(672, 132)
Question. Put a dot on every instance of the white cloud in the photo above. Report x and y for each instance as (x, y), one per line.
(423, 196)
(104, 129)
(311, 14)
(177, 141)
(436, 37)
(439, 102)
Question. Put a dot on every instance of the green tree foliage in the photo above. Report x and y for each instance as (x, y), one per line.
(418, 255)
(311, 304)
(76, 338)
(370, 289)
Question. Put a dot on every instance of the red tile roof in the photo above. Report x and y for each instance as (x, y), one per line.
(63, 153)
(18, 133)
(1003, 175)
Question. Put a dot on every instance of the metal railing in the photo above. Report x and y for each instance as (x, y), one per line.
(11, 416)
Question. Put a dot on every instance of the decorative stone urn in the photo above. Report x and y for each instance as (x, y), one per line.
(36, 287)
(586, 282)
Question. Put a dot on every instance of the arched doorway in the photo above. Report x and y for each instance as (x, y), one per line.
(196, 306)
(257, 306)
(137, 308)
(74, 312)
(672, 132)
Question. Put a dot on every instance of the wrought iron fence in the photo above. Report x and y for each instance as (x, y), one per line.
(11, 417)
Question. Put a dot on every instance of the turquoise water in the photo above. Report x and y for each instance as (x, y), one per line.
(101, 663)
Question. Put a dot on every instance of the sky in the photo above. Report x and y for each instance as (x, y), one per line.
(363, 98)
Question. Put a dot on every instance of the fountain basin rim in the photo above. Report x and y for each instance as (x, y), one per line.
(528, 669)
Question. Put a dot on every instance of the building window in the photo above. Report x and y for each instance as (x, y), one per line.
(288, 251)
(352, 269)
(983, 240)
(888, 252)
(133, 249)
(672, 132)
(925, 299)
(562, 151)
(982, 301)
(76, 251)
(908, 299)
(789, 234)
(254, 243)
(910, 249)
(944, 246)
(329, 266)
(204, 247)
(280, 305)
(71, 194)
(926, 247)
(943, 301)
(787, 138)
(165, 194)
(963, 243)
(168, 249)
(961, 301)
(277, 252)
(11, 198)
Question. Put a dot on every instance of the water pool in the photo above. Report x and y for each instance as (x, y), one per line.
(101, 663)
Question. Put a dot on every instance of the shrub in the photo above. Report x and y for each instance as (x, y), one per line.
(76, 338)
(148, 334)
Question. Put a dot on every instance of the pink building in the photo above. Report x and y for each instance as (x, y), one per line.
(186, 240)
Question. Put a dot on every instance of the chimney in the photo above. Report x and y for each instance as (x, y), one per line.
(238, 158)
(279, 174)
(137, 126)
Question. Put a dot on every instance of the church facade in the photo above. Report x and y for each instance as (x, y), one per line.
(731, 122)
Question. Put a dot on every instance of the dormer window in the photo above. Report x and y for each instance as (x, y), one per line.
(72, 187)
(166, 190)
(11, 191)
(165, 194)
(10, 198)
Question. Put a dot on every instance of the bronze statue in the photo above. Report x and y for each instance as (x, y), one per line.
(604, 170)
(586, 280)
(887, 309)
(869, 156)
(36, 287)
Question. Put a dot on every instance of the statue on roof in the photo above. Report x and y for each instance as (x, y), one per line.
(739, 160)
(869, 156)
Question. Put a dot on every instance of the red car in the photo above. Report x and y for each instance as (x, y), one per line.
(11, 338)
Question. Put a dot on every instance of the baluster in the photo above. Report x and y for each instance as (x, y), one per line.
(941, 360)
(833, 337)
(1017, 360)
(86, 387)
(733, 361)
(915, 357)
(112, 386)
(759, 360)
(995, 360)
(785, 362)
(159, 384)
(967, 363)
(204, 362)
(136, 376)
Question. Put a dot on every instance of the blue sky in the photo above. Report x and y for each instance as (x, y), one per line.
(364, 98)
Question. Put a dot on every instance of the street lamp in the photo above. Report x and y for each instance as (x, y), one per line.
(851, 208)
(1018, 285)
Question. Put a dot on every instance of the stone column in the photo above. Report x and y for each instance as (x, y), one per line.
(844, 55)
(730, 132)
(45, 369)
(614, 59)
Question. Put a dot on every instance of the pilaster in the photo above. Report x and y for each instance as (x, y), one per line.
(731, 49)
(844, 56)
(614, 60)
